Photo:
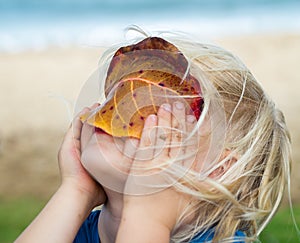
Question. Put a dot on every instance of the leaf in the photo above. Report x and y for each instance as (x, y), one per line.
(139, 80)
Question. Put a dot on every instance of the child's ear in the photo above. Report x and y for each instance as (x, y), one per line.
(221, 170)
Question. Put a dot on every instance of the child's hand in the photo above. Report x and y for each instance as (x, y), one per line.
(78, 194)
(107, 158)
(153, 216)
(71, 169)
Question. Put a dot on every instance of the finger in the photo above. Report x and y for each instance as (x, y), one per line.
(83, 132)
(191, 141)
(145, 150)
(129, 151)
(178, 129)
(87, 109)
(163, 137)
(76, 125)
(94, 106)
(70, 141)
(87, 132)
(117, 146)
(130, 147)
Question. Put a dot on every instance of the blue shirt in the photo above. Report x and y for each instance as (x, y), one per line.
(88, 232)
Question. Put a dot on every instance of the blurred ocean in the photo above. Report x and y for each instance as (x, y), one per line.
(37, 24)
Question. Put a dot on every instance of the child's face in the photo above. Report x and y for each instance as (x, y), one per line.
(104, 158)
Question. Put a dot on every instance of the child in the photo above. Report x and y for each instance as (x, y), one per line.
(217, 176)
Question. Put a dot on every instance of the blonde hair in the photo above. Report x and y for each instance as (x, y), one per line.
(246, 196)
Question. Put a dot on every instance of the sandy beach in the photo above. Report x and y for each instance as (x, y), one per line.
(36, 85)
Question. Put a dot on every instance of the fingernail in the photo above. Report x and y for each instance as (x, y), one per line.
(190, 118)
(84, 112)
(152, 117)
(167, 107)
(179, 105)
